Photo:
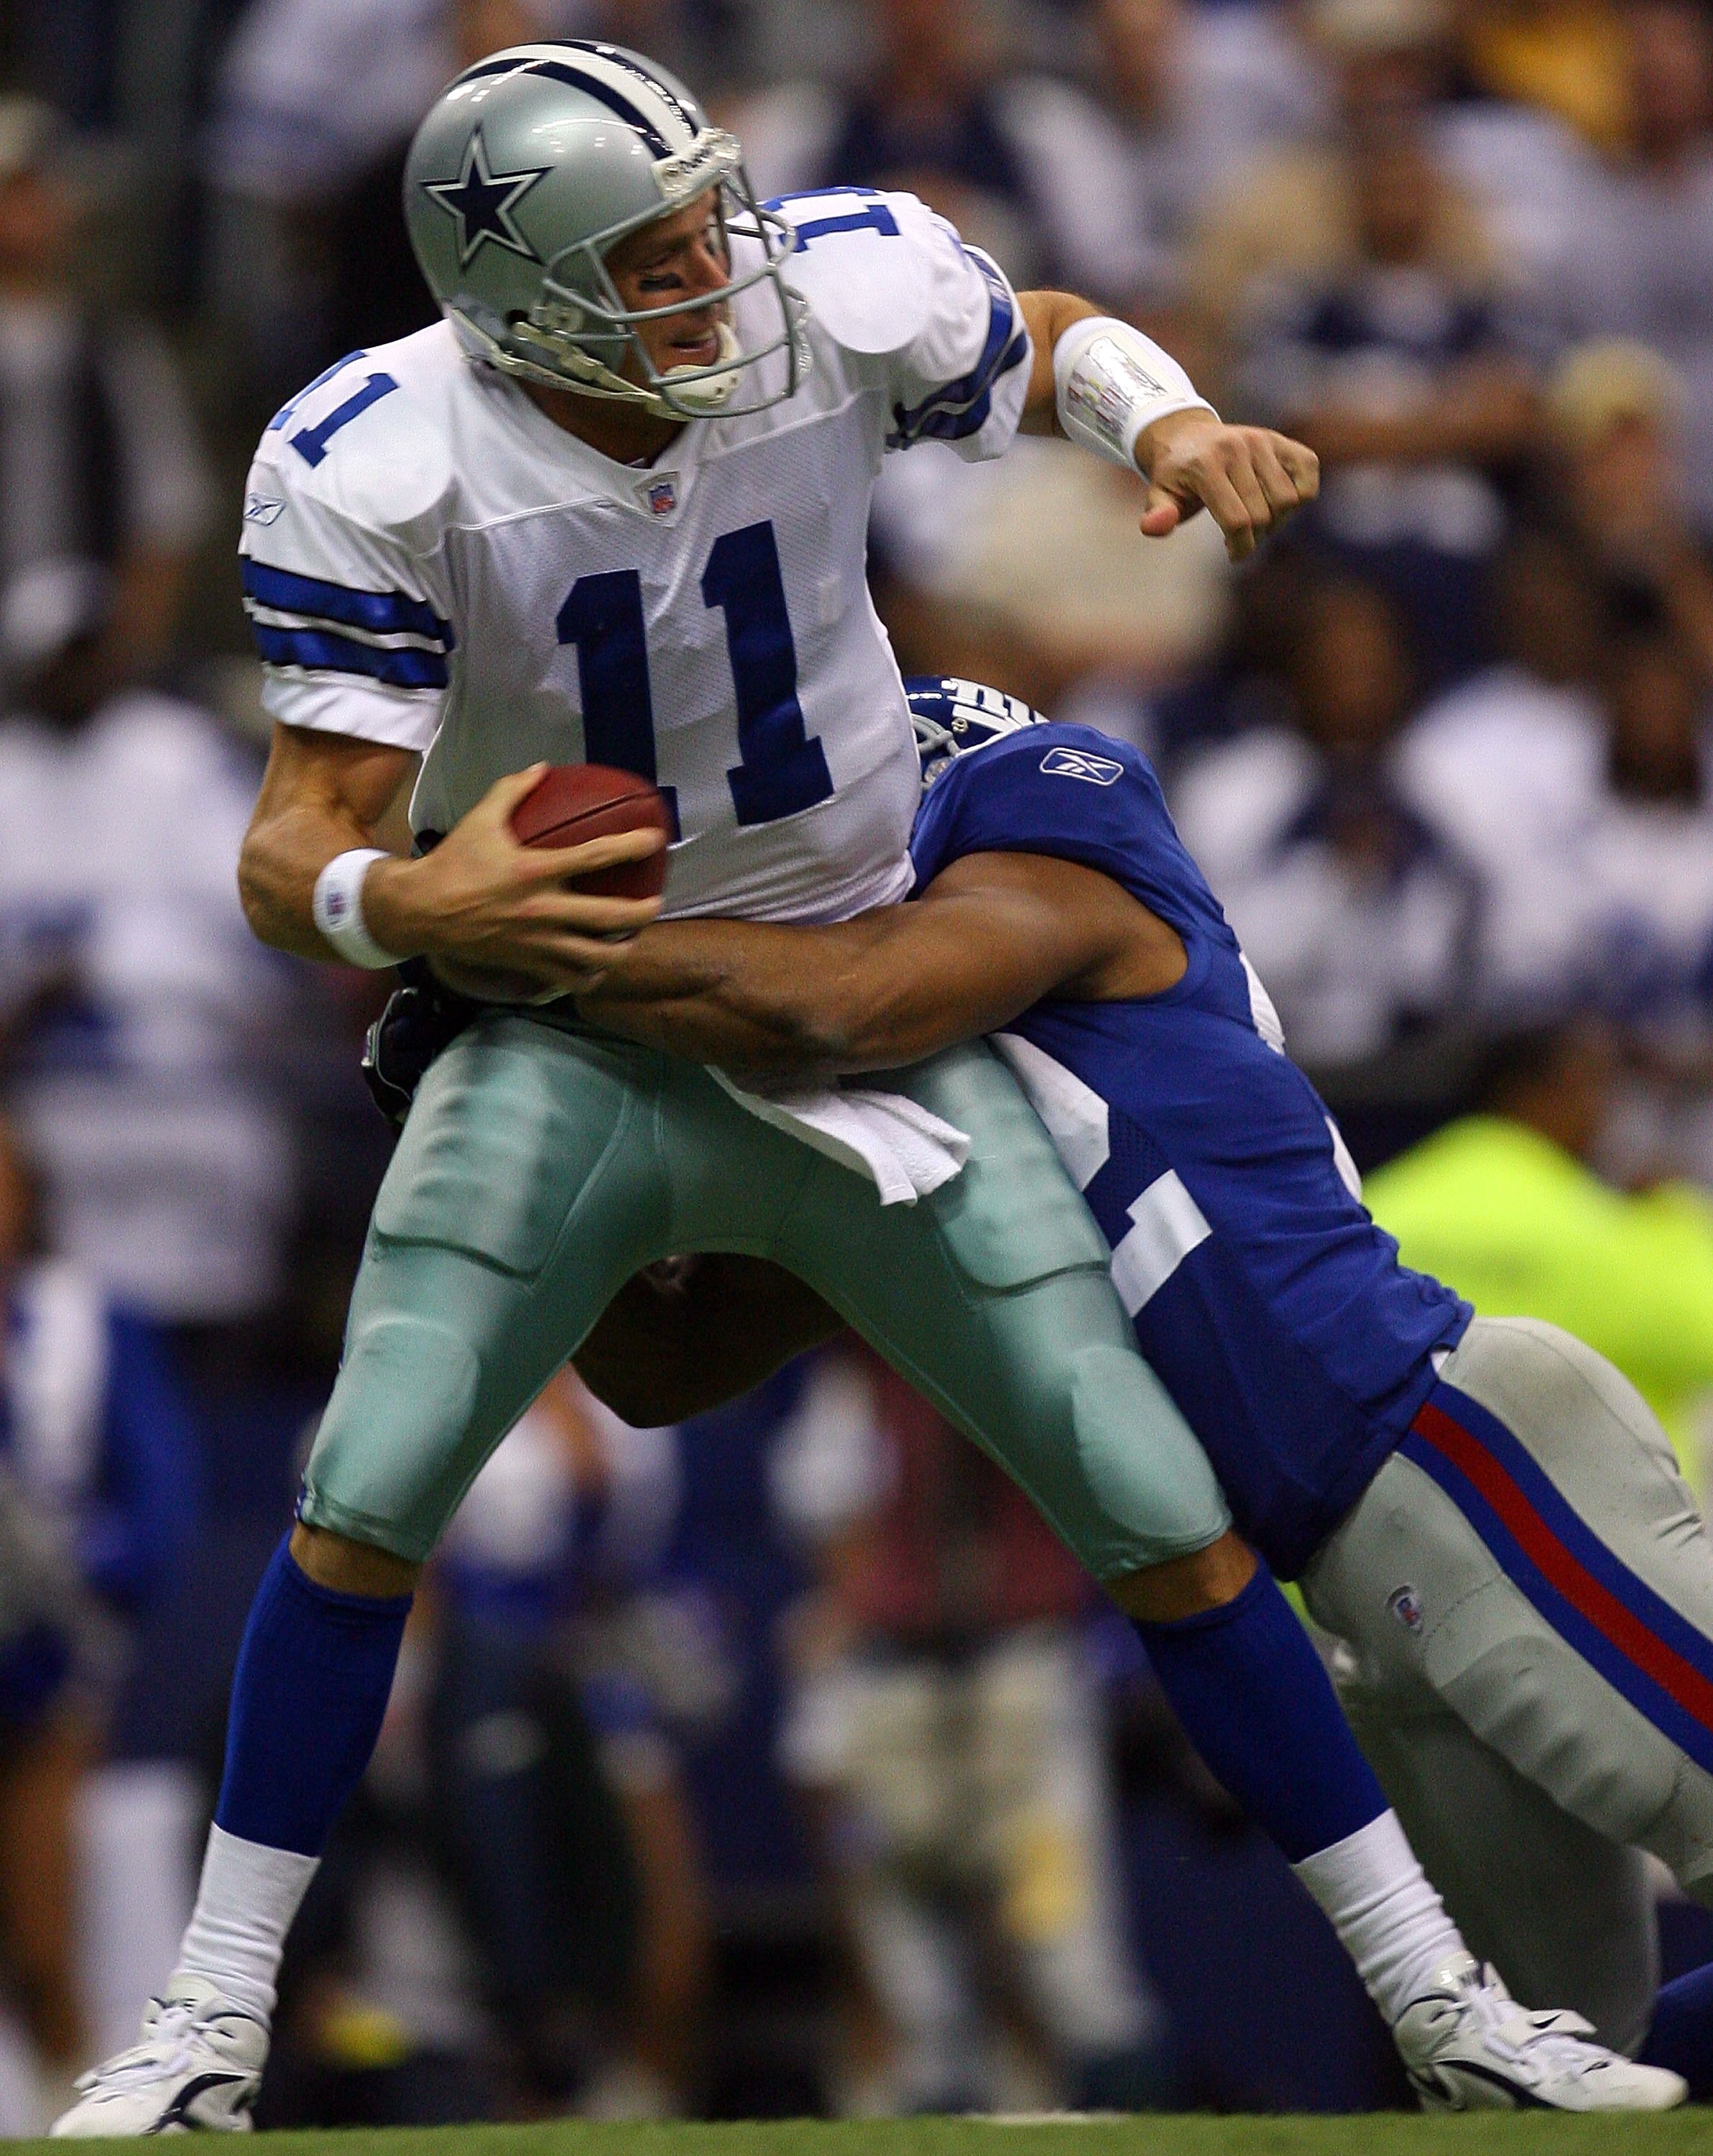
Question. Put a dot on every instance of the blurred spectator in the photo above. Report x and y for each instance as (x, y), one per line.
(92, 1427)
(1646, 861)
(1526, 170)
(947, 1736)
(1639, 261)
(141, 1007)
(1031, 570)
(1359, 917)
(97, 1499)
(1244, 683)
(1565, 56)
(564, 1665)
(1396, 370)
(1354, 67)
(1290, 215)
(69, 54)
(1572, 777)
(1177, 95)
(1614, 413)
(1504, 1206)
(317, 104)
(99, 459)
(1507, 766)
(931, 117)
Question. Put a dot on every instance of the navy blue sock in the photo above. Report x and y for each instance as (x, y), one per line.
(1681, 2034)
(313, 1677)
(1255, 1701)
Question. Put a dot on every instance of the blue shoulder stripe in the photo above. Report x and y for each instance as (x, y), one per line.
(961, 408)
(323, 653)
(381, 612)
(932, 422)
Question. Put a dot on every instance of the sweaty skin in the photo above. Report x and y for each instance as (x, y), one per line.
(992, 935)
(491, 914)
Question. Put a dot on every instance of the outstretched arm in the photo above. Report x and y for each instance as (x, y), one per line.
(1248, 478)
(994, 933)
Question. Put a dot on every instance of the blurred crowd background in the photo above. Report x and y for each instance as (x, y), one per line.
(781, 1764)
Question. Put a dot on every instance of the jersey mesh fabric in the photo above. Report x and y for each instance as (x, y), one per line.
(432, 563)
(1273, 1309)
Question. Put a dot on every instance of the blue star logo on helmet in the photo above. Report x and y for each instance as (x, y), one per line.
(483, 202)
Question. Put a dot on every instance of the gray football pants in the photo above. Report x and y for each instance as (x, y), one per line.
(1524, 1599)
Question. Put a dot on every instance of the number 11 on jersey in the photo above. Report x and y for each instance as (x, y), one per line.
(780, 770)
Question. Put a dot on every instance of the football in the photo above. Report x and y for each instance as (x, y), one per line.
(573, 802)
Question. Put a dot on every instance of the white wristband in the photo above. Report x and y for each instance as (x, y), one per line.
(1112, 382)
(338, 908)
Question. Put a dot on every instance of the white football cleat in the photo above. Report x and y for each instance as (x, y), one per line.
(1469, 2046)
(196, 2069)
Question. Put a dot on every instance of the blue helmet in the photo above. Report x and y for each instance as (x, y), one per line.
(953, 716)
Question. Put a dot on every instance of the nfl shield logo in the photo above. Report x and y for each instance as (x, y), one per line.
(662, 496)
(1406, 1605)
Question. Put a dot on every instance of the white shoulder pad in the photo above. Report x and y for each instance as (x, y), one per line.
(864, 262)
(361, 440)
(343, 574)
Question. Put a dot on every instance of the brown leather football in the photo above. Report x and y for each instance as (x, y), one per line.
(572, 802)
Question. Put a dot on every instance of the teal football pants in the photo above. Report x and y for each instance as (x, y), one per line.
(540, 1168)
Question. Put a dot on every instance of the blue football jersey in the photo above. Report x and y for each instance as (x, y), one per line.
(1274, 1310)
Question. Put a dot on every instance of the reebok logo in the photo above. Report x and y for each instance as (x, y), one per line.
(1077, 764)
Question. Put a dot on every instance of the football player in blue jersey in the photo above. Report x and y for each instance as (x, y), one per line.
(612, 508)
(1483, 1513)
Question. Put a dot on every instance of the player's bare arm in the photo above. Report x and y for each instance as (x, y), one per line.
(478, 899)
(1248, 478)
(992, 935)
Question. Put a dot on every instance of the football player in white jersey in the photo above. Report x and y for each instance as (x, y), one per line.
(613, 509)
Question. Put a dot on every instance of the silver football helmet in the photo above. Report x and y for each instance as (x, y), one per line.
(530, 168)
(950, 717)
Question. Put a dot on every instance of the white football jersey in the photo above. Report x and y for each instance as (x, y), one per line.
(429, 561)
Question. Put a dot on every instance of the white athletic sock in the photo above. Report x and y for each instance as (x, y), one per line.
(249, 1897)
(1378, 1900)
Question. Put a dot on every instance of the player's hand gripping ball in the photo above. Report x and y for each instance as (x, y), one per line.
(572, 802)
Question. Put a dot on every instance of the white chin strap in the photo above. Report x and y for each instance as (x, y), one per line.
(568, 368)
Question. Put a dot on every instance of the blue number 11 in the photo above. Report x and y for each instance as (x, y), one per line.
(780, 770)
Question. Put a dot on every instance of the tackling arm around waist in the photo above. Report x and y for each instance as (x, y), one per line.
(992, 935)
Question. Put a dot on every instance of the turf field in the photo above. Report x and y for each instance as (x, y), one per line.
(1372, 2134)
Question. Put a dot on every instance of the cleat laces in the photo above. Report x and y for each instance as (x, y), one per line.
(169, 2048)
(1540, 2044)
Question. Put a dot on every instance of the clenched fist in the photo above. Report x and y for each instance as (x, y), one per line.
(1248, 478)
